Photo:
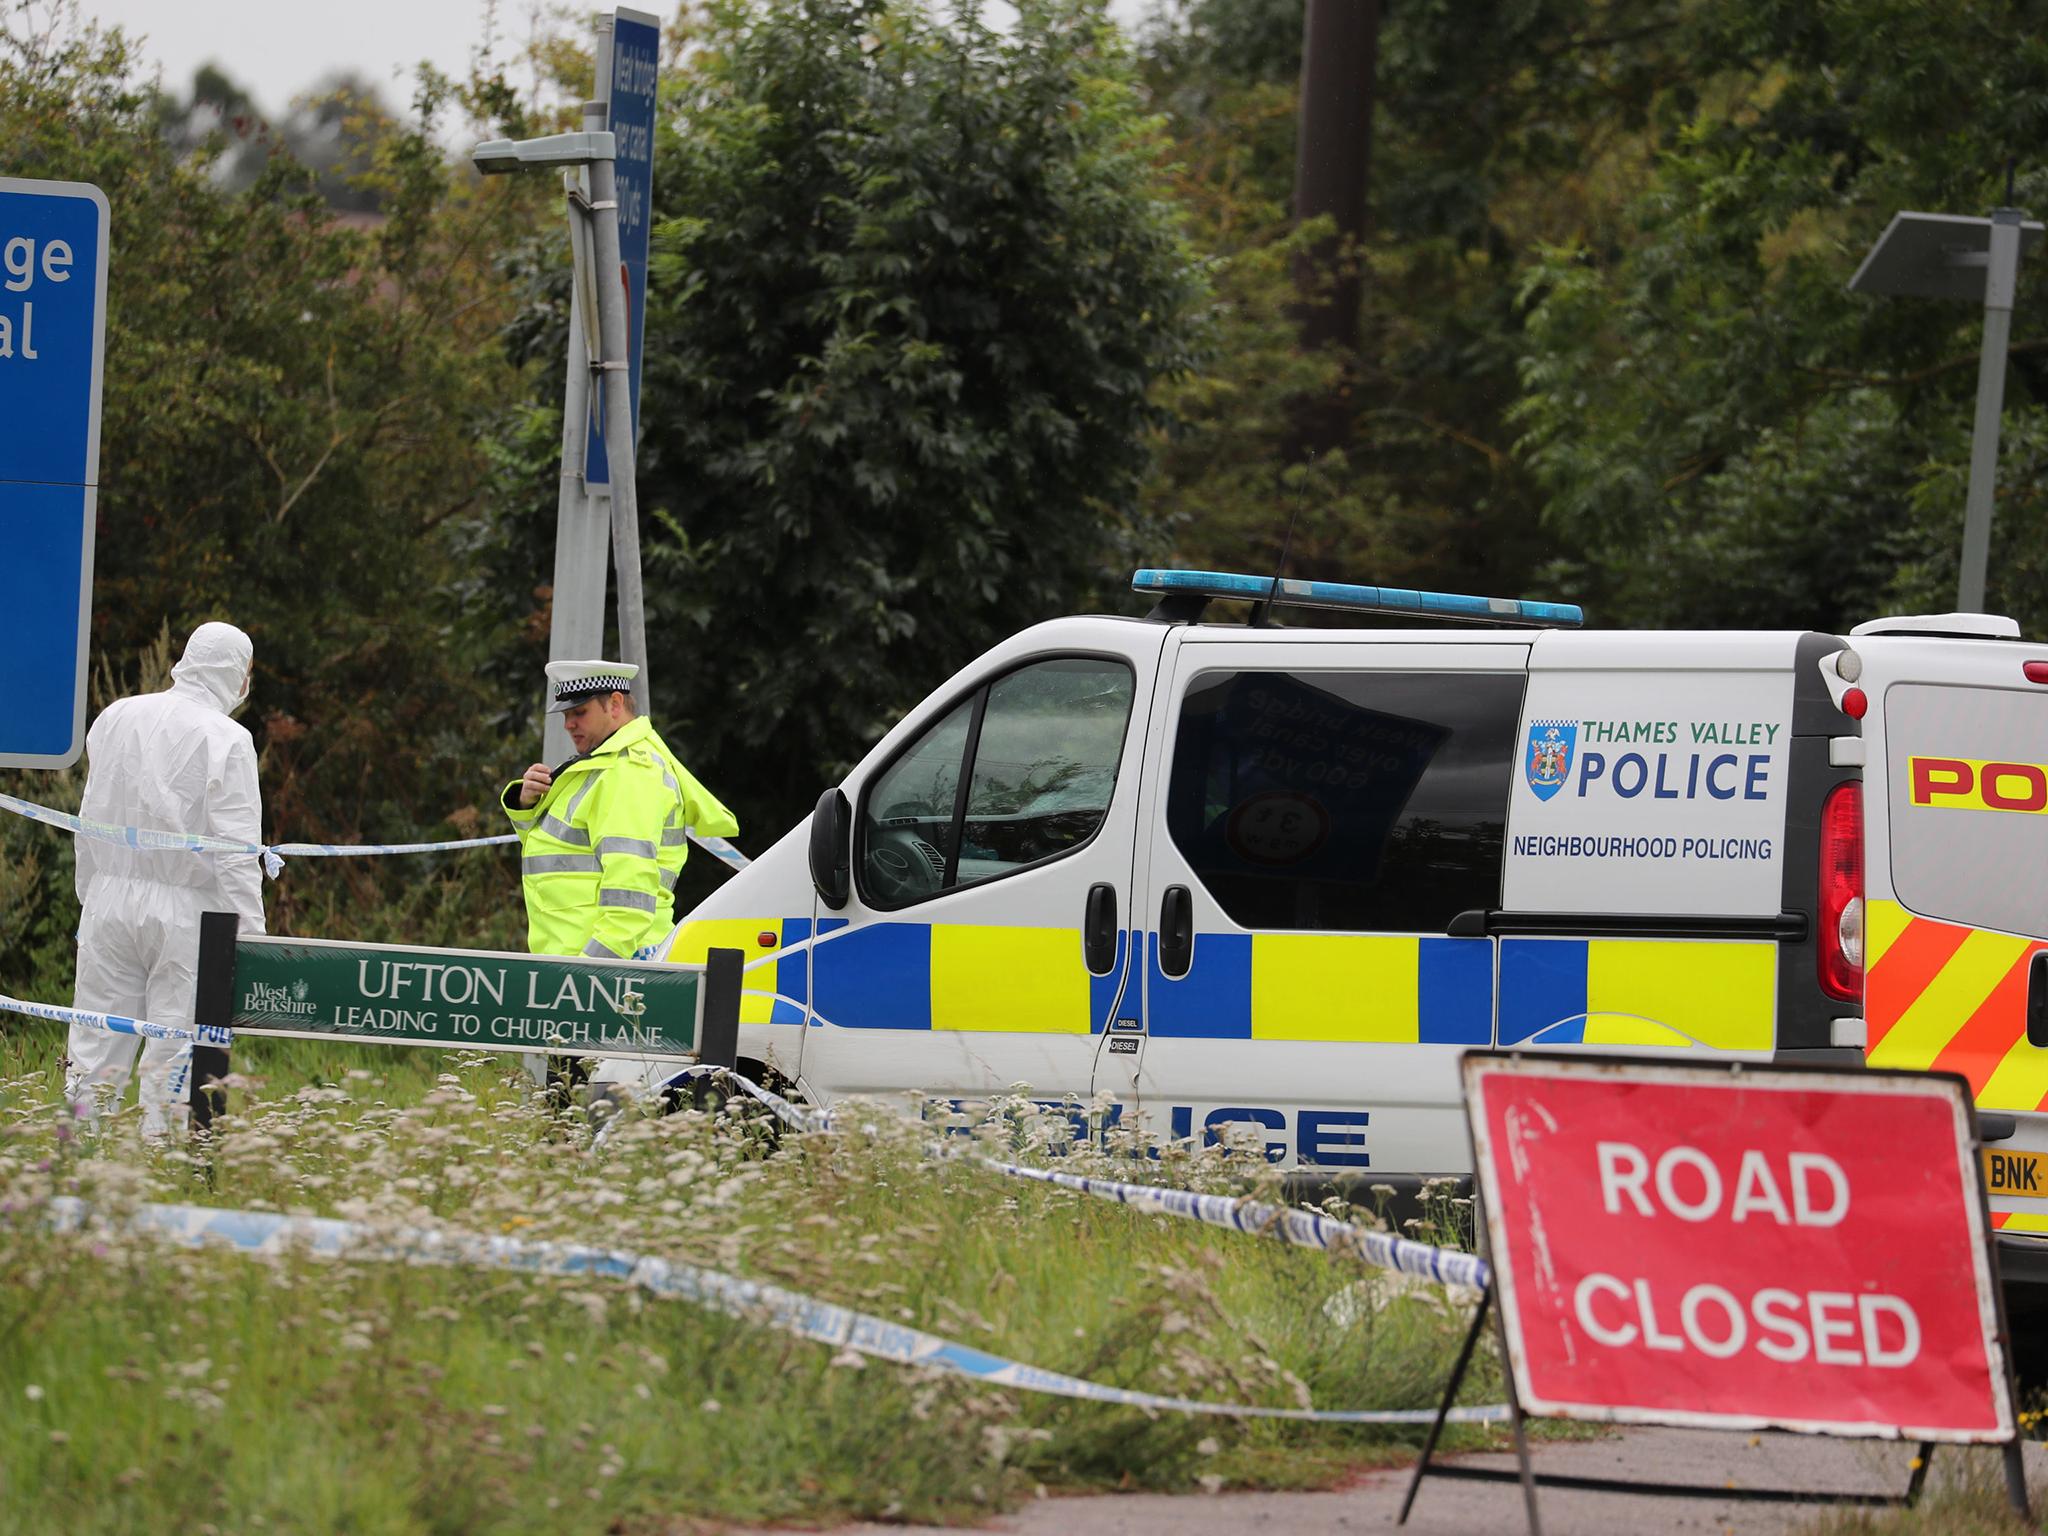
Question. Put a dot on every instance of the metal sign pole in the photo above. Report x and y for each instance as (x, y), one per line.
(597, 523)
(615, 370)
(582, 536)
(2001, 275)
(213, 1004)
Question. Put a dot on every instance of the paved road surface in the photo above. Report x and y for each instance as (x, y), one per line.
(1446, 1508)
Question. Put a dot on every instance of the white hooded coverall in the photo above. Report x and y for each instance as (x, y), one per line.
(174, 762)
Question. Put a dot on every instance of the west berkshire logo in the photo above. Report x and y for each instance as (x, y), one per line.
(264, 997)
(1548, 762)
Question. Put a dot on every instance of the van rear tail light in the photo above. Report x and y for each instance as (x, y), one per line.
(2037, 671)
(1841, 893)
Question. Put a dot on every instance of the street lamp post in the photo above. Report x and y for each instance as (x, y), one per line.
(1947, 256)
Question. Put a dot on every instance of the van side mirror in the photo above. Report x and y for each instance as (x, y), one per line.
(831, 837)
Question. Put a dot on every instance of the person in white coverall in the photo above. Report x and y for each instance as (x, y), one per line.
(172, 762)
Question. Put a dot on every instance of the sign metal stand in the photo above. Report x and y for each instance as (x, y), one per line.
(1524, 1471)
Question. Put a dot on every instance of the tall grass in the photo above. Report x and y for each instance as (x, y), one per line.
(144, 1387)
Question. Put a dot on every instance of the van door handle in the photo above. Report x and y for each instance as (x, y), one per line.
(1176, 931)
(2037, 998)
(1098, 930)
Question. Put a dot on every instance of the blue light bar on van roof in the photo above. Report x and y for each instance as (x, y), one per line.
(1343, 596)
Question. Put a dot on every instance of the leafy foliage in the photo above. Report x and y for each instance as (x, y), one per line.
(1498, 127)
(1732, 436)
(914, 281)
(291, 418)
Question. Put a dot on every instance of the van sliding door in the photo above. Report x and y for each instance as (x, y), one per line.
(1318, 814)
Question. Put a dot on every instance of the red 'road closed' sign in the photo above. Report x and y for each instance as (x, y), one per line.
(1691, 1245)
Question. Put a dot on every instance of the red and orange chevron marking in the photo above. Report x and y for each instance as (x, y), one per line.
(1942, 997)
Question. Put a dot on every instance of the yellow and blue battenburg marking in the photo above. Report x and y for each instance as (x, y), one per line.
(1721, 993)
(937, 976)
(771, 994)
(1365, 987)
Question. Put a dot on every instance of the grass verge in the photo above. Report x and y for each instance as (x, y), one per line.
(1966, 1497)
(143, 1387)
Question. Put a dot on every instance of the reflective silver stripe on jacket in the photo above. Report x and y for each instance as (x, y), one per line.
(674, 788)
(639, 847)
(558, 826)
(595, 950)
(639, 901)
(674, 837)
(560, 864)
(669, 878)
(561, 831)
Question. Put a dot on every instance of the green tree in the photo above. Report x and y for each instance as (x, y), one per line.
(1728, 434)
(914, 282)
(291, 422)
(1500, 125)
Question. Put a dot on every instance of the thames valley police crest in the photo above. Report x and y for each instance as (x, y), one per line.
(1548, 761)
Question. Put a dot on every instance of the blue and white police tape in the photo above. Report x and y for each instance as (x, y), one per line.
(823, 1322)
(366, 850)
(793, 1115)
(139, 837)
(119, 1024)
(720, 849)
(274, 855)
(1303, 1229)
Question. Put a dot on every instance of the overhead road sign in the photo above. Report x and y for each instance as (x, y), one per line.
(53, 322)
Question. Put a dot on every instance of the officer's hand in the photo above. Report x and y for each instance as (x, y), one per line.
(534, 784)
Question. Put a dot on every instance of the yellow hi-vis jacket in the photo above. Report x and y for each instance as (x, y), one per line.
(601, 850)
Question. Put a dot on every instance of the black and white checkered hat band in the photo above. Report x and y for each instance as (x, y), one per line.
(574, 690)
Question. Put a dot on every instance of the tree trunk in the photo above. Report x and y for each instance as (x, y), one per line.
(1333, 162)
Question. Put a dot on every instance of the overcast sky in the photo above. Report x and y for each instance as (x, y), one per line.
(279, 49)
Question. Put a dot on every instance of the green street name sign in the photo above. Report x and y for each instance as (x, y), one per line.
(320, 989)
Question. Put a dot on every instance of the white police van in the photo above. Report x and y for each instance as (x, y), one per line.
(1279, 878)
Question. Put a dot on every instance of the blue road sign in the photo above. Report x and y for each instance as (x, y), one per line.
(53, 326)
(635, 67)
